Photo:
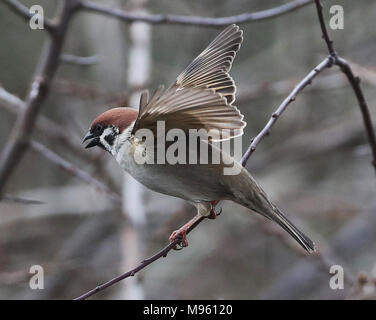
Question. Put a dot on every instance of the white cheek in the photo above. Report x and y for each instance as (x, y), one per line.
(102, 139)
(105, 144)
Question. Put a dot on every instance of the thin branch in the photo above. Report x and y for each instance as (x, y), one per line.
(161, 254)
(282, 87)
(367, 120)
(354, 82)
(47, 66)
(194, 20)
(145, 263)
(70, 168)
(24, 12)
(326, 63)
(325, 34)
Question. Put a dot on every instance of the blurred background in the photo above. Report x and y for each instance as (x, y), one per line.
(92, 226)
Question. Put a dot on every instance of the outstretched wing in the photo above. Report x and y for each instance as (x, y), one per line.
(210, 69)
(202, 96)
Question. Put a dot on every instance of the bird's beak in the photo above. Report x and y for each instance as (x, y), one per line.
(94, 142)
(88, 136)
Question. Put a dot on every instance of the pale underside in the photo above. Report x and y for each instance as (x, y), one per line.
(196, 183)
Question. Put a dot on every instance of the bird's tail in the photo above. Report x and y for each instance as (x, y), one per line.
(254, 198)
(287, 225)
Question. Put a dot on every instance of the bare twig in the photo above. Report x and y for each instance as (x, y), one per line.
(193, 20)
(326, 63)
(325, 34)
(162, 253)
(145, 263)
(48, 63)
(24, 12)
(354, 82)
(70, 168)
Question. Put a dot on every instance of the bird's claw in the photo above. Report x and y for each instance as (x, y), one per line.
(213, 214)
(182, 234)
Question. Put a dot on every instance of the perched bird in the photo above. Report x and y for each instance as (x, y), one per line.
(202, 97)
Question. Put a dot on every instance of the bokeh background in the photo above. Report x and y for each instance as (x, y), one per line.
(316, 164)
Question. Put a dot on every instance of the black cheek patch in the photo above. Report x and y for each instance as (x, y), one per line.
(110, 139)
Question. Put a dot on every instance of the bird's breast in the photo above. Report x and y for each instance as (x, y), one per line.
(186, 181)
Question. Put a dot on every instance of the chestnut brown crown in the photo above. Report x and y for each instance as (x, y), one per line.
(120, 118)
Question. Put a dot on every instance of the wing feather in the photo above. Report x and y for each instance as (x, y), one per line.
(144, 99)
(202, 96)
(214, 63)
(192, 108)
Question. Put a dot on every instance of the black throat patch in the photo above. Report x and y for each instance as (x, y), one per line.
(110, 139)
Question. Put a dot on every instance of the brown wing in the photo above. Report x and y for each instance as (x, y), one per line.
(191, 108)
(202, 96)
(210, 69)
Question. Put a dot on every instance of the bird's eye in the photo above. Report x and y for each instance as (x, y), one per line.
(98, 128)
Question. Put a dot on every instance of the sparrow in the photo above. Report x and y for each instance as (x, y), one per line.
(202, 97)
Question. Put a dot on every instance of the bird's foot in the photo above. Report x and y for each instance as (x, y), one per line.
(181, 233)
(214, 214)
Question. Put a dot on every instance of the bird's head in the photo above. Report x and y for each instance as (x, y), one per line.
(106, 128)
